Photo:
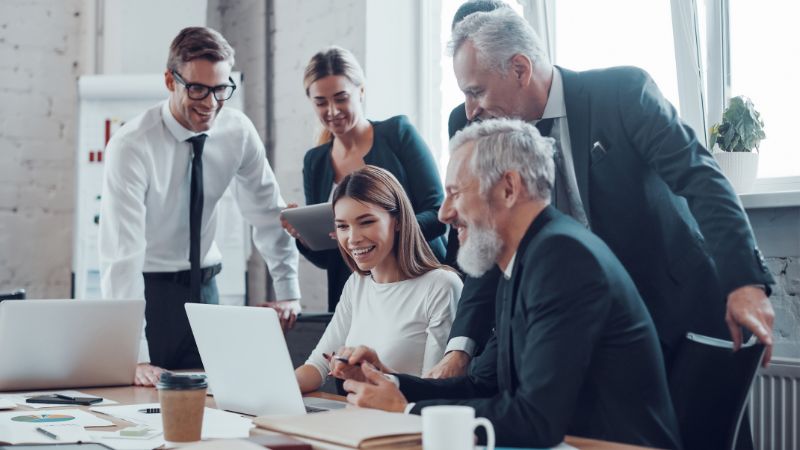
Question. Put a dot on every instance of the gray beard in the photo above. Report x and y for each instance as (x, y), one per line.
(480, 252)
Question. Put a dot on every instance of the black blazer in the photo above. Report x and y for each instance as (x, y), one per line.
(656, 196)
(575, 351)
(398, 148)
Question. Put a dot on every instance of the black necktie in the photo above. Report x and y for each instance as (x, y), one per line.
(545, 126)
(196, 215)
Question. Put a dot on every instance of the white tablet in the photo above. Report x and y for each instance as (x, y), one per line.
(314, 223)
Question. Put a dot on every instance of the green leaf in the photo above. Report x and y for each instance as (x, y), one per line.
(741, 130)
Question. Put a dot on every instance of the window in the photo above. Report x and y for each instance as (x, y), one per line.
(591, 34)
(764, 66)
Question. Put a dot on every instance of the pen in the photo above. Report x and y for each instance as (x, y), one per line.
(65, 397)
(150, 411)
(47, 433)
(345, 360)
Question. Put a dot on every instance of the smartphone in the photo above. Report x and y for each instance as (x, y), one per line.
(63, 400)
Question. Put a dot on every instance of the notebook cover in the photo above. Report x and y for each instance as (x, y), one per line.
(353, 427)
(279, 442)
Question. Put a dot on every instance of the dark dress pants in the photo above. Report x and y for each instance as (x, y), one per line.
(169, 336)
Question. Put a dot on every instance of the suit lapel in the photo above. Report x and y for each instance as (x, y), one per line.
(576, 100)
(327, 176)
(504, 335)
(507, 295)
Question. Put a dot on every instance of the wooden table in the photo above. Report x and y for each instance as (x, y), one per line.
(138, 395)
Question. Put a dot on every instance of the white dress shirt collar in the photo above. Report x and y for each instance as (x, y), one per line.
(509, 270)
(178, 131)
(555, 106)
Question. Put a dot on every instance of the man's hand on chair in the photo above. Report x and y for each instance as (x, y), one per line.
(749, 307)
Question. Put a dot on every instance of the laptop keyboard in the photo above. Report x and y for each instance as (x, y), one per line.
(314, 409)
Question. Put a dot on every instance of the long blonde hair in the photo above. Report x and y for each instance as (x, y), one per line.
(378, 187)
(333, 60)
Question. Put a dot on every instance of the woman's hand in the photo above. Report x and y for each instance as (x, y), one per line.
(289, 228)
(346, 362)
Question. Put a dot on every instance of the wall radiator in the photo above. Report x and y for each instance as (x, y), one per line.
(775, 406)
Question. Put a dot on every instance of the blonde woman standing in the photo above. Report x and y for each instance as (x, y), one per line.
(334, 83)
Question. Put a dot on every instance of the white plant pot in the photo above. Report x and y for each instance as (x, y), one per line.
(740, 168)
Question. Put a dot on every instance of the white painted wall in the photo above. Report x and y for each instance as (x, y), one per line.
(129, 32)
(391, 65)
(402, 68)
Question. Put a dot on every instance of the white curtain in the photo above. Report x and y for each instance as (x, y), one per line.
(689, 65)
(718, 81)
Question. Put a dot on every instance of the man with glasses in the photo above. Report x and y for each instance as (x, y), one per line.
(165, 172)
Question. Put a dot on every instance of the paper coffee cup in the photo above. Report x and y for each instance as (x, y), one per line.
(183, 400)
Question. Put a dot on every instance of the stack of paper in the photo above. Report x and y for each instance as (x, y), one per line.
(117, 442)
(21, 426)
(217, 424)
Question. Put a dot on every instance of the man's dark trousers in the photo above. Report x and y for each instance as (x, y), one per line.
(169, 336)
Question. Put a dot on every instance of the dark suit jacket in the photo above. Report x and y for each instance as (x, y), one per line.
(656, 196)
(477, 297)
(575, 351)
(398, 148)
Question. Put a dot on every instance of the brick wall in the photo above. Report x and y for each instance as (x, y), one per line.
(786, 302)
(40, 60)
(778, 235)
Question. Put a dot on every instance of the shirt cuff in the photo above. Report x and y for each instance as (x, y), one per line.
(462, 343)
(295, 305)
(393, 379)
(396, 382)
(287, 289)
(144, 351)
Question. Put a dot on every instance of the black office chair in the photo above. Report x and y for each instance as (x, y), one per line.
(709, 384)
(18, 294)
(303, 338)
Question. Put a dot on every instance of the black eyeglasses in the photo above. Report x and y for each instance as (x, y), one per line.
(197, 91)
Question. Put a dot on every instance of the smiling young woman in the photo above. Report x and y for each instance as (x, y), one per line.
(399, 299)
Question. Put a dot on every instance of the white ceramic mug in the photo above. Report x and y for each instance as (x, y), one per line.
(452, 428)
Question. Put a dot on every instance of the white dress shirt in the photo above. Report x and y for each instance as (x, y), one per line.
(405, 322)
(144, 208)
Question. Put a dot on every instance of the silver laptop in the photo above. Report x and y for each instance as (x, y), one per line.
(247, 361)
(48, 344)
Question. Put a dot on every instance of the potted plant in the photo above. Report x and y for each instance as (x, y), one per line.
(738, 137)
